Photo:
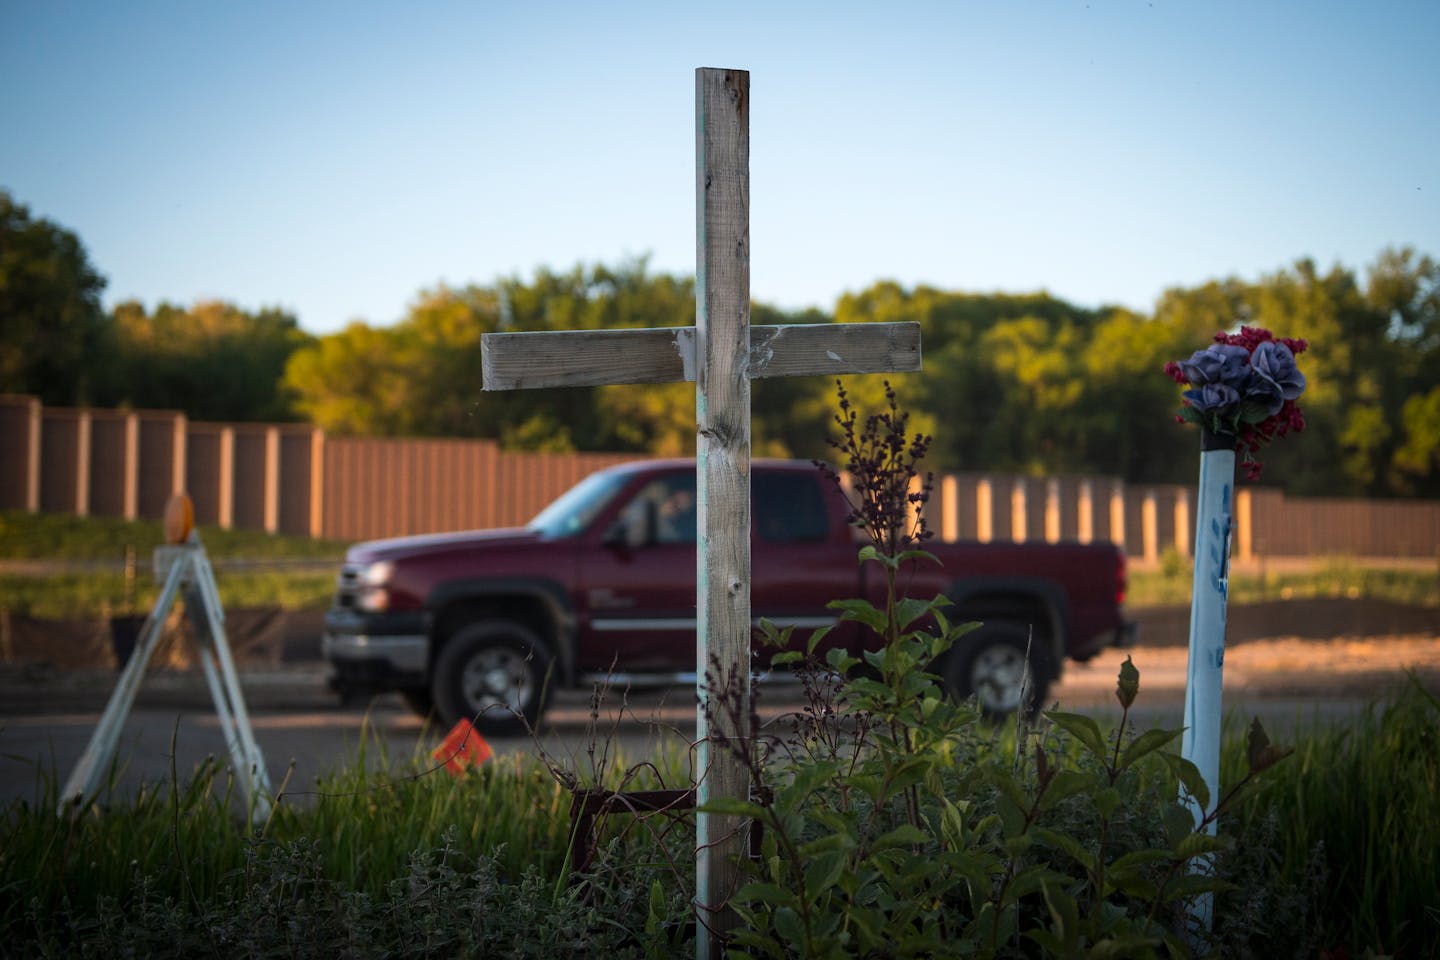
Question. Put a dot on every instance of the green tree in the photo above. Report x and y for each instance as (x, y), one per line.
(1348, 441)
(1404, 287)
(212, 360)
(423, 376)
(351, 382)
(1012, 382)
(52, 327)
(1125, 420)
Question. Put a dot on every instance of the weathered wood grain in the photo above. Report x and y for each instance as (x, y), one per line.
(587, 358)
(583, 358)
(722, 353)
(837, 349)
(722, 475)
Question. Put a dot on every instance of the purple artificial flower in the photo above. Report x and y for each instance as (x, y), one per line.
(1218, 363)
(1245, 386)
(1263, 398)
(1219, 399)
(1276, 362)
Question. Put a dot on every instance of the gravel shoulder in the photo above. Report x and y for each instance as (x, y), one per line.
(1279, 667)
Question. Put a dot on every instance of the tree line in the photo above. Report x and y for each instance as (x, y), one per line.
(1026, 383)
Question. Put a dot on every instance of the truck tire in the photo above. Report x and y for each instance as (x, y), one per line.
(495, 674)
(990, 665)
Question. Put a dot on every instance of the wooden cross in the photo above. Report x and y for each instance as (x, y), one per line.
(721, 354)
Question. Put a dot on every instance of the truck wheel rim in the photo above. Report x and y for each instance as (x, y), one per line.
(497, 678)
(998, 678)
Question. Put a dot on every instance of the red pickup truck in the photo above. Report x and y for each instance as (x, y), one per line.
(601, 585)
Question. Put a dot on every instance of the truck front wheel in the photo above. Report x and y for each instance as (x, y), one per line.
(494, 674)
(990, 664)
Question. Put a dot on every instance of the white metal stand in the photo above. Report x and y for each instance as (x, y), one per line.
(185, 570)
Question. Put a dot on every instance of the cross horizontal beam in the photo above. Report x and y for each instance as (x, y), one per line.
(587, 358)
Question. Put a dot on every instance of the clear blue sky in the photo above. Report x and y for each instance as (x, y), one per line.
(337, 158)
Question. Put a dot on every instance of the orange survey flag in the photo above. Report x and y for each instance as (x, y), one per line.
(463, 747)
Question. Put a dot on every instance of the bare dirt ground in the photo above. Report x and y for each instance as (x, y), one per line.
(1273, 667)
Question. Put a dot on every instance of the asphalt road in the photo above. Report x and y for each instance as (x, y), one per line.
(46, 721)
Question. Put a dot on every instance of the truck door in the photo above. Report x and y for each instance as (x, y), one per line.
(637, 593)
(796, 569)
(638, 597)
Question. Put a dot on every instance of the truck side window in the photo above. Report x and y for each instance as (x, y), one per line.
(673, 500)
(789, 509)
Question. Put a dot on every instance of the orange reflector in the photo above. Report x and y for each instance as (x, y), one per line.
(463, 747)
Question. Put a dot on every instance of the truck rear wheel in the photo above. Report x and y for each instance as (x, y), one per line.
(494, 674)
(990, 665)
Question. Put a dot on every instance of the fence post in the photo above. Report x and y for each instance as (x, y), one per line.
(1244, 530)
(949, 509)
(225, 495)
(20, 423)
(1085, 509)
(1182, 521)
(130, 468)
(1149, 526)
(317, 483)
(1052, 511)
(984, 510)
(32, 458)
(1117, 514)
(272, 479)
(82, 463)
(1019, 528)
(177, 456)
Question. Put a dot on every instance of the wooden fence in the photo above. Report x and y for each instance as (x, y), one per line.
(294, 479)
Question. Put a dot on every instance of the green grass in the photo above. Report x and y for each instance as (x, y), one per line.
(102, 591)
(367, 820)
(1356, 812)
(53, 536)
(405, 861)
(301, 574)
(1343, 832)
(1326, 577)
(105, 593)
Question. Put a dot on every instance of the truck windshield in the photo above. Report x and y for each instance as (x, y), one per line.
(576, 507)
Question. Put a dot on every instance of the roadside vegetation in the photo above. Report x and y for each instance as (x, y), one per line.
(105, 540)
(75, 568)
(1327, 576)
(1021, 382)
(1330, 848)
(891, 821)
(66, 567)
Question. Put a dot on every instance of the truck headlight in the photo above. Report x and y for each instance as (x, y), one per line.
(374, 583)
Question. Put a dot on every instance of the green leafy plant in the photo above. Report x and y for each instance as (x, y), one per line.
(891, 825)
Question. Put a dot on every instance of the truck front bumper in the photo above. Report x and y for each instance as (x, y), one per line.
(375, 652)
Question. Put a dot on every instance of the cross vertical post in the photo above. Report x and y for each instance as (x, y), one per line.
(722, 477)
(721, 353)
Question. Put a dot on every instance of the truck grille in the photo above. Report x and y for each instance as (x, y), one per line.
(347, 586)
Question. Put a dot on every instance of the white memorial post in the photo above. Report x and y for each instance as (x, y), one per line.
(1200, 743)
(721, 354)
(1243, 386)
